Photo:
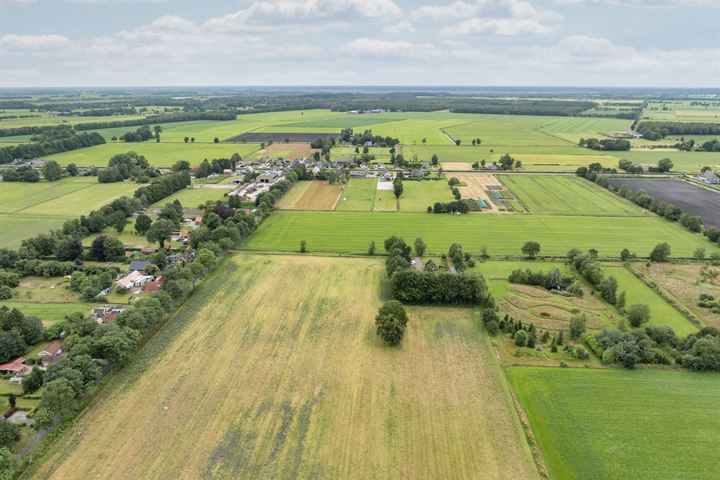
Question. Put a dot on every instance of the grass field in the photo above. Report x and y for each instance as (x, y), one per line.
(158, 154)
(502, 234)
(192, 197)
(418, 195)
(617, 424)
(48, 312)
(358, 195)
(256, 378)
(661, 313)
(685, 283)
(567, 195)
(311, 195)
(16, 228)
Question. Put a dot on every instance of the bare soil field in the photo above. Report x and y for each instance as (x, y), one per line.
(255, 137)
(476, 185)
(685, 283)
(311, 195)
(291, 150)
(690, 198)
(272, 369)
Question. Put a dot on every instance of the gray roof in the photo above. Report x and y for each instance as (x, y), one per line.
(138, 265)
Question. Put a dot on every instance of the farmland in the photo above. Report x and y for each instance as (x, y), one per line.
(198, 195)
(567, 195)
(502, 234)
(311, 369)
(358, 195)
(157, 154)
(690, 198)
(312, 195)
(611, 424)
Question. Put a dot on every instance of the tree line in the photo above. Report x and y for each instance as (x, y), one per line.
(45, 147)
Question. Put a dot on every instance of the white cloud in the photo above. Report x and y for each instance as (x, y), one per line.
(502, 27)
(643, 3)
(13, 42)
(490, 17)
(403, 26)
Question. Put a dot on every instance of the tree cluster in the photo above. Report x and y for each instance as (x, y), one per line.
(17, 332)
(607, 144)
(390, 322)
(45, 147)
(416, 287)
(553, 280)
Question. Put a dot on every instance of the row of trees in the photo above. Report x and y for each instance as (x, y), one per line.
(46, 147)
(658, 130)
(553, 280)
(608, 144)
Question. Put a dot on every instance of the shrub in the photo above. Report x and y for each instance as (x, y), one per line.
(520, 338)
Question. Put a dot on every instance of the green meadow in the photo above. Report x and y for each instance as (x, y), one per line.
(611, 424)
(358, 195)
(158, 154)
(502, 234)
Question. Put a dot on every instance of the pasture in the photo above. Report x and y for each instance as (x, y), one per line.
(311, 195)
(287, 366)
(503, 234)
(157, 154)
(567, 195)
(198, 195)
(685, 283)
(661, 313)
(358, 195)
(616, 424)
(47, 312)
(418, 195)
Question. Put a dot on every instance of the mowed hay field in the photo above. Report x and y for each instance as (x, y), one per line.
(256, 378)
(503, 234)
(566, 195)
(608, 424)
(358, 195)
(157, 154)
(311, 195)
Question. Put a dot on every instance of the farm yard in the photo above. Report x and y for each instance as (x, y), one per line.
(437, 407)
(690, 198)
(612, 423)
(351, 232)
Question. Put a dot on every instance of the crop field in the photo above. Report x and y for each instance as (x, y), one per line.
(45, 120)
(311, 195)
(358, 195)
(661, 313)
(157, 154)
(198, 195)
(685, 283)
(567, 195)
(618, 424)
(680, 111)
(684, 162)
(572, 129)
(285, 368)
(502, 234)
(690, 198)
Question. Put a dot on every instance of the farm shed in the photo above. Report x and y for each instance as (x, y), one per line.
(138, 265)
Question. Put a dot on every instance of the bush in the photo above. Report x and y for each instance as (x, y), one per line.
(638, 314)
(390, 322)
(520, 338)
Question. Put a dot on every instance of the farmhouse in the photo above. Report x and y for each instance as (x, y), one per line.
(51, 354)
(153, 285)
(16, 367)
(138, 265)
(133, 280)
(271, 176)
(106, 314)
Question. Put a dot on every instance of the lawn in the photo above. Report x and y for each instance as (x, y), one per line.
(162, 154)
(610, 424)
(418, 195)
(294, 383)
(661, 313)
(566, 195)
(48, 312)
(192, 197)
(502, 234)
(358, 195)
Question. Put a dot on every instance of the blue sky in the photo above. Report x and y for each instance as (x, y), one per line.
(657, 43)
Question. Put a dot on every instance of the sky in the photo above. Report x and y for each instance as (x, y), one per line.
(579, 43)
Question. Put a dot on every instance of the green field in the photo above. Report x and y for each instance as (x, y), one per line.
(193, 197)
(661, 313)
(358, 195)
(567, 195)
(158, 154)
(618, 424)
(502, 234)
(48, 312)
(418, 195)
(16, 227)
(286, 367)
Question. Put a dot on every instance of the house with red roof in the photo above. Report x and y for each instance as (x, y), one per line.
(154, 285)
(16, 367)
